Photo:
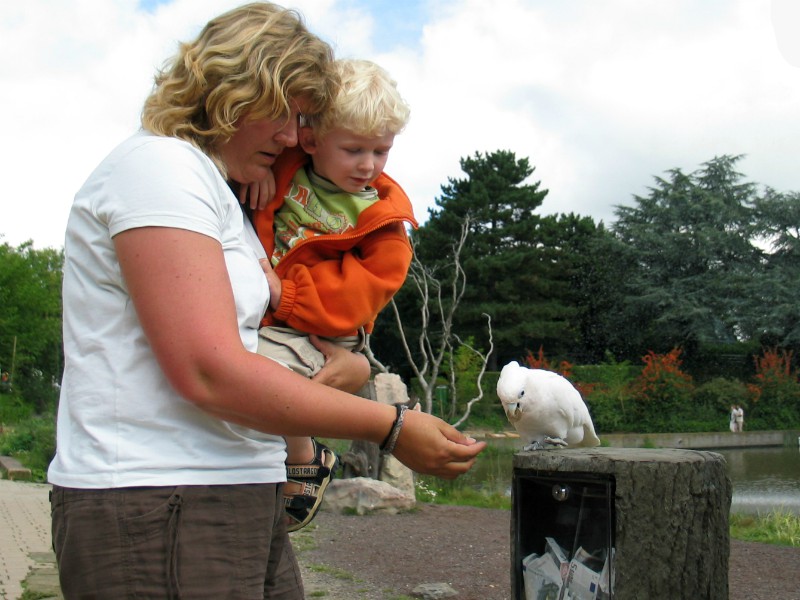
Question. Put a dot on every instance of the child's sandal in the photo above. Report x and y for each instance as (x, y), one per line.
(314, 477)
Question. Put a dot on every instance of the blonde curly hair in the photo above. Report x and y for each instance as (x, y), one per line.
(367, 102)
(249, 62)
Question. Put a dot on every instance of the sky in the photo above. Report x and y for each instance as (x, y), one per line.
(601, 96)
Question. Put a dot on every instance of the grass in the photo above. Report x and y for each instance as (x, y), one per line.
(481, 487)
(29, 595)
(333, 572)
(777, 527)
(436, 491)
(303, 539)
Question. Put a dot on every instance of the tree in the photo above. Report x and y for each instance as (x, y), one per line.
(30, 318)
(594, 262)
(696, 266)
(776, 313)
(513, 260)
(438, 346)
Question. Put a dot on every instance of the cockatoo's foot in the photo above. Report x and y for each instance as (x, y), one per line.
(533, 446)
(546, 444)
(555, 442)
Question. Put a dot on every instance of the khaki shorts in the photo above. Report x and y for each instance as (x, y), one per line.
(191, 542)
(293, 348)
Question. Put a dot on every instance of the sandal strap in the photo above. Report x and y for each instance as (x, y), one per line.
(302, 505)
(306, 471)
(301, 501)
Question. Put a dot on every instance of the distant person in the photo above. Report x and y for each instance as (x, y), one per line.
(739, 418)
(337, 241)
(733, 418)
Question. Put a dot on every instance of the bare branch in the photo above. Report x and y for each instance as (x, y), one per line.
(438, 303)
(484, 362)
(373, 360)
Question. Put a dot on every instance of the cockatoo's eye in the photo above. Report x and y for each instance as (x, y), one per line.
(521, 394)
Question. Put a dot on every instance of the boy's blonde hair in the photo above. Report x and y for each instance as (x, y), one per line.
(249, 62)
(367, 102)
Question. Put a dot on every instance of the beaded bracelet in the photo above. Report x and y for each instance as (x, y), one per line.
(387, 447)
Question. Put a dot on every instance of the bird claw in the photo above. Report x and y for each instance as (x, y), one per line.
(545, 444)
(533, 446)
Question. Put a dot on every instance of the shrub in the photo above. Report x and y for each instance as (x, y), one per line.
(32, 442)
(662, 392)
(713, 400)
(775, 393)
(609, 384)
(14, 409)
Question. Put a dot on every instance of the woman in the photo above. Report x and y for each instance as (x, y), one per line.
(168, 475)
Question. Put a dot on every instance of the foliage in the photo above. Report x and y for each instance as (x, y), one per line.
(656, 397)
(698, 273)
(31, 595)
(540, 361)
(609, 387)
(732, 360)
(468, 366)
(30, 319)
(32, 441)
(514, 263)
(662, 391)
(14, 409)
(716, 396)
(564, 368)
(775, 393)
(777, 222)
(487, 492)
(450, 493)
(777, 527)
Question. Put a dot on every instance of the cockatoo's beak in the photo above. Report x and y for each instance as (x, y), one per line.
(512, 411)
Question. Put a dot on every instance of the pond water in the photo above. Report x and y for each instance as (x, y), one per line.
(763, 478)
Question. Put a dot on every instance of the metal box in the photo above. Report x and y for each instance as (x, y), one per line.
(563, 528)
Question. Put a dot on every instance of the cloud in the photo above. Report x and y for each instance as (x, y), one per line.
(599, 96)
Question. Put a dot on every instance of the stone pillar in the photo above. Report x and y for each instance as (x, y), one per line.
(668, 517)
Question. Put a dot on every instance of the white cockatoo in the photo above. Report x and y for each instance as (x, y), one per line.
(544, 408)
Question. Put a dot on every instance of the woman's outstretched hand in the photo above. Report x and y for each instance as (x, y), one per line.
(430, 446)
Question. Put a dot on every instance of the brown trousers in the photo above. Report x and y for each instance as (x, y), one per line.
(189, 542)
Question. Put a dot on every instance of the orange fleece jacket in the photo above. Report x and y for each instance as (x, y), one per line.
(335, 283)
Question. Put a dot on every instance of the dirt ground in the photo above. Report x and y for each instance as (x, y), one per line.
(383, 557)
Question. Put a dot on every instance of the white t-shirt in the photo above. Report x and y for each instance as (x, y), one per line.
(120, 423)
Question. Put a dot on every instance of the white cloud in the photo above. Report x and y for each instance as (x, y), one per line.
(600, 96)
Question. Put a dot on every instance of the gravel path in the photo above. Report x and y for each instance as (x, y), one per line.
(382, 557)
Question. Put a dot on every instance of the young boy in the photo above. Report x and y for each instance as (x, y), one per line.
(336, 238)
